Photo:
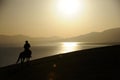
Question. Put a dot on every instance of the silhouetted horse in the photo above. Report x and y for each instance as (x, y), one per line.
(24, 55)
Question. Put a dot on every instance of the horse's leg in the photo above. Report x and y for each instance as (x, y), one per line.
(22, 60)
(18, 59)
(28, 59)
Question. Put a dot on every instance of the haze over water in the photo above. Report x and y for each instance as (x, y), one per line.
(9, 55)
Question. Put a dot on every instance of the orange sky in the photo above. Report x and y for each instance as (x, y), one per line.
(40, 18)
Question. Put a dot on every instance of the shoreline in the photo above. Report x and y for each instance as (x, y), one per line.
(95, 63)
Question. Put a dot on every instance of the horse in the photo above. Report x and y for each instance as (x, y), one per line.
(24, 55)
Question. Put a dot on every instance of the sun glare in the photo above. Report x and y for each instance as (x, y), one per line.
(69, 7)
(69, 46)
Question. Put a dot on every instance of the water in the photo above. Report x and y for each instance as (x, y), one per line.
(9, 55)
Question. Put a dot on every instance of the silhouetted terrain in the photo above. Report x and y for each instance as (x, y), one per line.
(91, 64)
(107, 36)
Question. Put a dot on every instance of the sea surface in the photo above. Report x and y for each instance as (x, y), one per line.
(9, 55)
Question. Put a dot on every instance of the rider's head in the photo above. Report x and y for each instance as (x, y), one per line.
(26, 41)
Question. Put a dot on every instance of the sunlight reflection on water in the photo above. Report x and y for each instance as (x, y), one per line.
(69, 47)
(9, 55)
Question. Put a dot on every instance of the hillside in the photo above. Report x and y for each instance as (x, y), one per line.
(107, 36)
(91, 64)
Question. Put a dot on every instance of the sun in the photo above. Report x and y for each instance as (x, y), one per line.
(69, 7)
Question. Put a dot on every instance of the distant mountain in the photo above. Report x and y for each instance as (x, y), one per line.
(18, 40)
(107, 36)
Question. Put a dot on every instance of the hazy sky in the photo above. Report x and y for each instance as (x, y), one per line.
(46, 18)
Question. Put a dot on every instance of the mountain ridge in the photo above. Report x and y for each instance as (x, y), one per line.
(110, 35)
(106, 36)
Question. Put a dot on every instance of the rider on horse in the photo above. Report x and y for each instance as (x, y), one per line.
(26, 53)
